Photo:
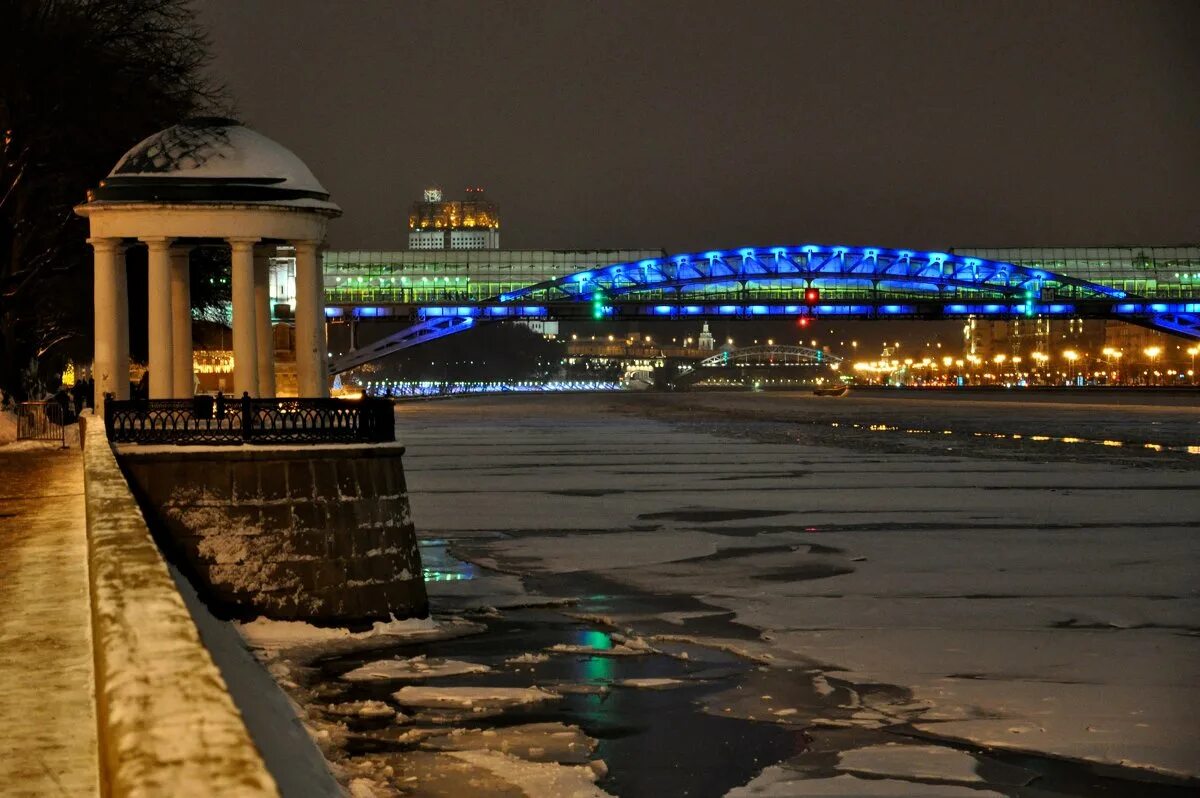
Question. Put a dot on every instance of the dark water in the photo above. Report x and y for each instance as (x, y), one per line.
(655, 742)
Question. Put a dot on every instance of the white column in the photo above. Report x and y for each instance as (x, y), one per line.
(311, 365)
(322, 332)
(183, 384)
(158, 296)
(262, 324)
(245, 348)
(110, 358)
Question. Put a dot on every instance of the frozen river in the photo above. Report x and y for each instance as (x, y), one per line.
(981, 576)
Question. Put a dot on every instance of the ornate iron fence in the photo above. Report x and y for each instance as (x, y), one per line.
(222, 420)
(43, 421)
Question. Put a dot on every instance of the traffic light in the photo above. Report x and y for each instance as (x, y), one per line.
(1028, 302)
(599, 308)
(812, 296)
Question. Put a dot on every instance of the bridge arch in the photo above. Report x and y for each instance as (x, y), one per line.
(770, 353)
(852, 282)
(899, 271)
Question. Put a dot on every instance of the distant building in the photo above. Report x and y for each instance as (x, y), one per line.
(705, 341)
(441, 224)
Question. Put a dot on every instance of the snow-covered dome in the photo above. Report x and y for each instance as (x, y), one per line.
(212, 160)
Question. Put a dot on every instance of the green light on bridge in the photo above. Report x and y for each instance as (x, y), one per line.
(599, 308)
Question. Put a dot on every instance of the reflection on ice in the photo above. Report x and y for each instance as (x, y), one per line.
(1069, 439)
(440, 566)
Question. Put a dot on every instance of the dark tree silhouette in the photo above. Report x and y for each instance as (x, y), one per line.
(81, 81)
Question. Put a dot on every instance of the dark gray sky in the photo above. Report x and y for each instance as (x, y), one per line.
(697, 124)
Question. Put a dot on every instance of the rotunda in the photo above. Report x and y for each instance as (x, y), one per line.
(204, 181)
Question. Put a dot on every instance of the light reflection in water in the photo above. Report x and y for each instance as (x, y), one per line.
(435, 575)
(594, 669)
(1155, 447)
(440, 566)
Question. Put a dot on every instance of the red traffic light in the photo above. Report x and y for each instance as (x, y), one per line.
(802, 321)
(812, 295)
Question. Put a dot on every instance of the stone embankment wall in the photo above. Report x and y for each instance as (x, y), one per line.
(167, 724)
(313, 533)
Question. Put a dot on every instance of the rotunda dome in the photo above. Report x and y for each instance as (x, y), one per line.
(212, 160)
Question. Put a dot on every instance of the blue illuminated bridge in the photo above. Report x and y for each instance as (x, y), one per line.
(803, 282)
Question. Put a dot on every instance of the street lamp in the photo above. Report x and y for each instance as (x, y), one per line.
(1039, 360)
(1153, 352)
(1193, 351)
(1071, 355)
(1114, 359)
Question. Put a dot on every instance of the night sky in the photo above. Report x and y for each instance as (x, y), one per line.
(691, 125)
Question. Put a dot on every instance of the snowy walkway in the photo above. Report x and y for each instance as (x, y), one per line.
(46, 666)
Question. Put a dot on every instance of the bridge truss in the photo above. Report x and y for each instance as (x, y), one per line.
(849, 282)
(770, 354)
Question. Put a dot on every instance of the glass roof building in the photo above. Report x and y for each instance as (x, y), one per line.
(1152, 272)
(416, 276)
(442, 275)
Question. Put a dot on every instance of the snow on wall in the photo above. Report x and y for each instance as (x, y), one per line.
(299, 533)
(167, 723)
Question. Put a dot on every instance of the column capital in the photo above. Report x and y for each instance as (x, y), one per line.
(106, 244)
(156, 242)
(242, 243)
(307, 246)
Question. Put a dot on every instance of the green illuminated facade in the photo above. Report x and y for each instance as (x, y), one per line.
(415, 276)
(1152, 272)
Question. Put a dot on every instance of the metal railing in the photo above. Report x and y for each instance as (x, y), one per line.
(43, 421)
(221, 420)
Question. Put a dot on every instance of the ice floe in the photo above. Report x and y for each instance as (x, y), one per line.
(412, 669)
(781, 782)
(360, 709)
(911, 761)
(471, 697)
(274, 636)
(651, 683)
(540, 742)
(536, 778)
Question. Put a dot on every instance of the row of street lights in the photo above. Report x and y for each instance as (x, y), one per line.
(972, 367)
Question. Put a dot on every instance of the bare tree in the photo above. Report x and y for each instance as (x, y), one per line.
(81, 81)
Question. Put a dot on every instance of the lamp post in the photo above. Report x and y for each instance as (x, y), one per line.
(1153, 352)
(1193, 351)
(974, 360)
(1071, 355)
(1039, 359)
(1114, 359)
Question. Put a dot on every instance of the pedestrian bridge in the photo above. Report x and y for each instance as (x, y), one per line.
(767, 355)
(802, 282)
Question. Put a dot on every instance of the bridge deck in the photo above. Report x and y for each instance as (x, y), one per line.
(47, 678)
